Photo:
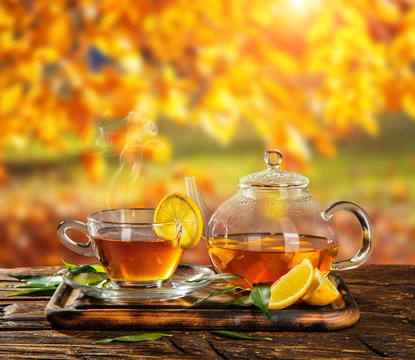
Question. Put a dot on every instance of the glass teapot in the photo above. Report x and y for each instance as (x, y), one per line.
(272, 224)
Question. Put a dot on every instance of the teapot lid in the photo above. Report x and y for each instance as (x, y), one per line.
(273, 177)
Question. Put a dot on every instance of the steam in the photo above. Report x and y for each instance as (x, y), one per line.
(132, 135)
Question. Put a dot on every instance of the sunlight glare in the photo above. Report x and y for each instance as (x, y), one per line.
(296, 4)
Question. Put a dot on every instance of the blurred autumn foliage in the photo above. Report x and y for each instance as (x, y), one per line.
(300, 71)
(79, 76)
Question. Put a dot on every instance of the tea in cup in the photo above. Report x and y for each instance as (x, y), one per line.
(132, 249)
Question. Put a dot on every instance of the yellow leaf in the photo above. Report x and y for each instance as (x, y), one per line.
(220, 99)
(10, 98)
(7, 21)
(353, 19)
(109, 19)
(176, 105)
(220, 126)
(369, 123)
(321, 29)
(402, 49)
(282, 61)
(408, 102)
(132, 63)
(278, 93)
(59, 32)
(7, 41)
(46, 54)
(388, 12)
(296, 143)
(261, 16)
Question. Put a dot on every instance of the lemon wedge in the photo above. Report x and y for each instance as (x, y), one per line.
(178, 208)
(292, 286)
(321, 292)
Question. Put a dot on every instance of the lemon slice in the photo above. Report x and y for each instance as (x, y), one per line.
(292, 286)
(176, 207)
(321, 292)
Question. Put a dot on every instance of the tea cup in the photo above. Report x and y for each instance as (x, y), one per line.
(129, 245)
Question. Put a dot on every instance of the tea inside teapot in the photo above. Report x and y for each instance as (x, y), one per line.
(263, 258)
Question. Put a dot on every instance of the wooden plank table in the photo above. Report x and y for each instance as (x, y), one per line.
(385, 295)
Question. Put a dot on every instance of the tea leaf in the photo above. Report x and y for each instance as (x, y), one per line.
(232, 288)
(260, 295)
(242, 301)
(132, 338)
(21, 286)
(23, 277)
(98, 268)
(68, 265)
(233, 335)
(44, 280)
(88, 278)
(32, 291)
(223, 276)
(47, 284)
(34, 284)
(80, 269)
(36, 279)
(76, 269)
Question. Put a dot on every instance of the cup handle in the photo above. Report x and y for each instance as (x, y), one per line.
(80, 248)
(367, 232)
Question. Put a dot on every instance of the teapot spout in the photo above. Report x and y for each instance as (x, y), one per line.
(193, 192)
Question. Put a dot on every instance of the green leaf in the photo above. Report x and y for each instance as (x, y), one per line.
(233, 335)
(80, 269)
(132, 338)
(37, 280)
(47, 289)
(242, 301)
(47, 284)
(88, 278)
(224, 276)
(22, 277)
(98, 268)
(21, 286)
(76, 269)
(68, 265)
(260, 295)
(232, 288)
(54, 280)
(44, 280)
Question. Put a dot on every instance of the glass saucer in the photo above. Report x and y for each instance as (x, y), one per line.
(176, 287)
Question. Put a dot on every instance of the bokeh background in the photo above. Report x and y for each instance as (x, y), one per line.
(111, 103)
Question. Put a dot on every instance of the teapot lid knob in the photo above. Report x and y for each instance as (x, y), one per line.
(273, 177)
(273, 158)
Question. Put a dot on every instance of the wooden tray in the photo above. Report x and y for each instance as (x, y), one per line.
(70, 309)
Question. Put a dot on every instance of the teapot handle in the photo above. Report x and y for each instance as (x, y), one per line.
(367, 232)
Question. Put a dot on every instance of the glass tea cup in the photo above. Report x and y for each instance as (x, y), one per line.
(129, 245)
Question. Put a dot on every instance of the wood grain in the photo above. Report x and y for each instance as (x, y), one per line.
(386, 329)
(70, 308)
